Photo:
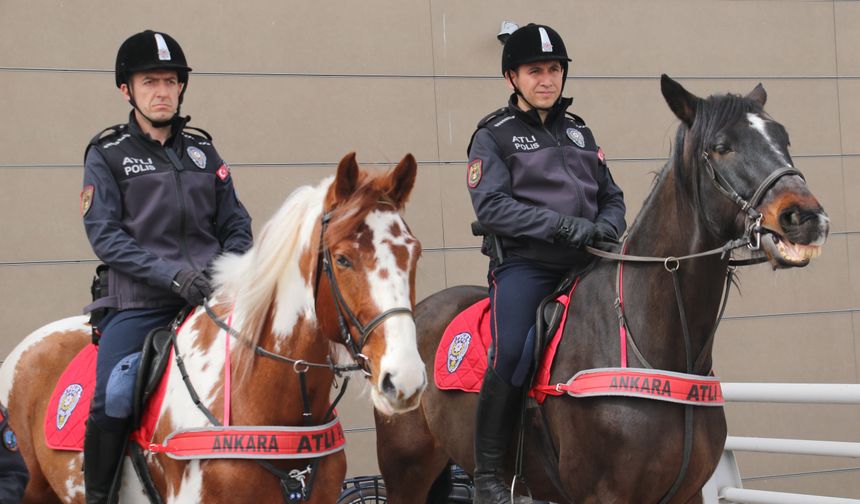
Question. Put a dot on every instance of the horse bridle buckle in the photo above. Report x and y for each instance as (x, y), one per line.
(755, 234)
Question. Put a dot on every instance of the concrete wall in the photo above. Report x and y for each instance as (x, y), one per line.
(288, 87)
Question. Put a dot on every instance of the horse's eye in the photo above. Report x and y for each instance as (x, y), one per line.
(722, 149)
(342, 261)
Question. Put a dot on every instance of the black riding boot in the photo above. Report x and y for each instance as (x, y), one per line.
(498, 405)
(103, 451)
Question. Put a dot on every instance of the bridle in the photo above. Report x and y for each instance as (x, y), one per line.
(342, 308)
(361, 361)
(753, 228)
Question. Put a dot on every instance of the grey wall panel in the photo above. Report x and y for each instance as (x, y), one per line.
(42, 214)
(620, 37)
(39, 294)
(287, 88)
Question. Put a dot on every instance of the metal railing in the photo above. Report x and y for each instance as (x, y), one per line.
(725, 486)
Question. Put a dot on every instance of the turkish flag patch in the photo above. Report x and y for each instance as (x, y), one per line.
(601, 156)
(223, 172)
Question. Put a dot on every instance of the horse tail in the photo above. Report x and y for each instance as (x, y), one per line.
(441, 487)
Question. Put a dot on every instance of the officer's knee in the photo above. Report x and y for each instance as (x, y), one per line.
(120, 387)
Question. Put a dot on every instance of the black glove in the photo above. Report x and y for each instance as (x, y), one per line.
(575, 232)
(192, 285)
(604, 231)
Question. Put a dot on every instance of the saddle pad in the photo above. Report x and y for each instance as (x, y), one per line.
(461, 358)
(69, 407)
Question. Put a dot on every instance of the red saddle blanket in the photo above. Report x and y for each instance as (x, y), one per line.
(461, 358)
(69, 407)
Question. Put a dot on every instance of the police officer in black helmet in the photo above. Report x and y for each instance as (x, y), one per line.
(538, 182)
(158, 205)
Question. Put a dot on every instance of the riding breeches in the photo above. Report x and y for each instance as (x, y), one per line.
(516, 289)
(120, 345)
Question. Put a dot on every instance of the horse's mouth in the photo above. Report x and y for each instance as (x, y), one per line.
(785, 254)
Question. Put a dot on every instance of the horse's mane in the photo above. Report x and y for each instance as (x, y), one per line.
(712, 114)
(271, 270)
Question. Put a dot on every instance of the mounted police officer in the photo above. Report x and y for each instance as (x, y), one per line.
(158, 206)
(539, 183)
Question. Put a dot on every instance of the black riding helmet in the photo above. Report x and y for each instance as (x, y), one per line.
(532, 43)
(150, 50)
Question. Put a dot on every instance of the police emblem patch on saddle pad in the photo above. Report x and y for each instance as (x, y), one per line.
(69, 407)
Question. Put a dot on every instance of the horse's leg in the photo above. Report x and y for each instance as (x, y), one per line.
(408, 457)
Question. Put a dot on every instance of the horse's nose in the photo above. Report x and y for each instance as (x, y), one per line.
(804, 226)
(394, 392)
(388, 387)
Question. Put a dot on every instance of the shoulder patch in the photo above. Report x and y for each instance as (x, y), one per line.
(223, 172)
(87, 199)
(9, 440)
(601, 156)
(473, 176)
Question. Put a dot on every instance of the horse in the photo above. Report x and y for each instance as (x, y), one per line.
(729, 182)
(330, 280)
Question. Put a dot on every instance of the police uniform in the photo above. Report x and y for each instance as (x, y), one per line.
(524, 175)
(150, 211)
(13, 471)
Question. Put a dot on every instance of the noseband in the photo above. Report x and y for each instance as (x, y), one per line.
(753, 216)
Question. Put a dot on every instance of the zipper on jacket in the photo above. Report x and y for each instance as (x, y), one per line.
(183, 210)
(577, 183)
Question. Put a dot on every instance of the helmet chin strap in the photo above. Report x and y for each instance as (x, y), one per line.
(154, 123)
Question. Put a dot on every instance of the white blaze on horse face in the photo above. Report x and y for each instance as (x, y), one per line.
(7, 372)
(760, 125)
(390, 288)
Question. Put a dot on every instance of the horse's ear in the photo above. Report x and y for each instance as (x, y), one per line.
(758, 95)
(346, 179)
(401, 180)
(682, 102)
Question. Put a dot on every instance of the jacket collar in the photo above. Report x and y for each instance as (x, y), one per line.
(177, 124)
(531, 116)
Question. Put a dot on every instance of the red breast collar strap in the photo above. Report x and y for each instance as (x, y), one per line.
(644, 383)
(253, 442)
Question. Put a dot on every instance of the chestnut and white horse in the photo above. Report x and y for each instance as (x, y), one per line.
(341, 247)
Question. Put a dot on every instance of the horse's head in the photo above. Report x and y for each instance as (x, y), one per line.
(739, 156)
(369, 259)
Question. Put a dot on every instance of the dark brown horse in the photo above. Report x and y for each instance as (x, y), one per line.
(630, 450)
(283, 307)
